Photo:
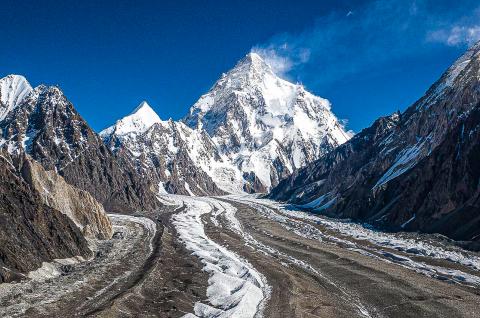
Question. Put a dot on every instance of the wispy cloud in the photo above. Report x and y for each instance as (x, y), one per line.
(456, 35)
(362, 39)
(281, 64)
(283, 58)
(465, 31)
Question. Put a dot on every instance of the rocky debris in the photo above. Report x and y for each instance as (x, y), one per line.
(412, 171)
(31, 232)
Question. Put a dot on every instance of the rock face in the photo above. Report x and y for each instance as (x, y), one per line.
(87, 214)
(46, 126)
(30, 231)
(263, 125)
(248, 132)
(415, 171)
(167, 153)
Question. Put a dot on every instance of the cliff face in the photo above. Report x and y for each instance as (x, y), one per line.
(30, 231)
(414, 170)
(167, 153)
(78, 205)
(46, 126)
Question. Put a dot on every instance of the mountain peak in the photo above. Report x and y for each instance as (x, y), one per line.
(15, 77)
(13, 90)
(140, 120)
(254, 57)
(144, 107)
(253, 62)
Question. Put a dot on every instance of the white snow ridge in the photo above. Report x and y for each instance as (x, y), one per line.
(13, 90)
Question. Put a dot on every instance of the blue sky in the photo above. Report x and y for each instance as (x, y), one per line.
(369, 58)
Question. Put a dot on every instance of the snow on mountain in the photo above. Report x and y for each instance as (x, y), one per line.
(142, 118)
(247, 133)
(168, 153)
(13, 90)
(267, 127)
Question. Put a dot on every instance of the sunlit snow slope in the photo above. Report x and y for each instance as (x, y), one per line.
(247, 133)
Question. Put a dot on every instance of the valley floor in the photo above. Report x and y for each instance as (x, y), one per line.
(239, 256)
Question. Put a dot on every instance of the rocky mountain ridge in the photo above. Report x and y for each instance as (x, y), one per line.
(31, 232)
(46, 126)
(54, 169)
(167, 153)
(413, 170)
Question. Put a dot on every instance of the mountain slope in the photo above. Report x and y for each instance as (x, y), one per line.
(30, 231)
(87, 214)
(265, 126)
(248, 132)
(46, 126)
(13, 90)
(414, 170)
(168, 154)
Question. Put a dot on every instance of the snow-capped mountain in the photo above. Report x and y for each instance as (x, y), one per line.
(13, 90)
(248, 132)
(265, 126)
(168, 153)
(42, 123)
(415, 170)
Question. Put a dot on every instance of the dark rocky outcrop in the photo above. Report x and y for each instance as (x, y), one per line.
(416, 171)
(46, 126)
(30, 231)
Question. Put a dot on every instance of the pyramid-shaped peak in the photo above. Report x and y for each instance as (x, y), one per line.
(140, 120)
(253, 61)
(144, 108)
(144, 113)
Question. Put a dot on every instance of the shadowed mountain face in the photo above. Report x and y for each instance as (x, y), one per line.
(42, 217)
(167, 153)
(46, 126)
(415, 171)
(30, 231)
(87, 214)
